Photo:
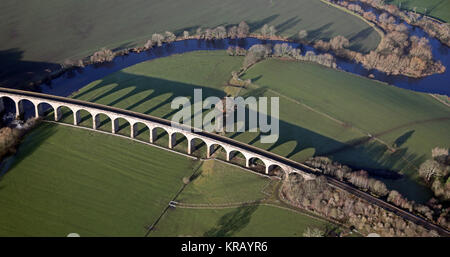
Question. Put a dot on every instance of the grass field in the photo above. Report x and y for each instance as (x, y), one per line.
(334, 111)
(218, 183)
(37, 36)
(202, 207)
(55, 188)
(248, 221)
(435, 8)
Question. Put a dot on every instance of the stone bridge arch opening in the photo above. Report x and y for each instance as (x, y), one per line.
(46, 111)
(160, 137)
(178, 141)
(275, 170)
(121, 126)
(25, 109)
(102, 122)
(8, 107)
(217, 151)
(199, 148)
(83, 118)
(236, 157)
(140, 131)
(64, 114)
(256, 164)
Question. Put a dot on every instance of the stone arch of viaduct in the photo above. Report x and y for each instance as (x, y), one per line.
(152, 123)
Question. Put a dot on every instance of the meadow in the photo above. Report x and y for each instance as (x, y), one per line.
(55, 187)
(220, 183)
(121, 187)
(212, 204)
(248, 221)
(336, 114)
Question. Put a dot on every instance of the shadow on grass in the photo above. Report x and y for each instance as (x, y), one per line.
(232, 222)
(15, 72)
(30, 143)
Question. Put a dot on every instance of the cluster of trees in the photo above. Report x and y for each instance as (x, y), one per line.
(240, 31)
(11, 136)
(362, 180)
(359, 178)
(441, 31)
(159, 39)
(268, 31)
(316, 195)
(210, 34)
(236, 51)
(103, 55)
(397, 53)
(436, 173)
(255, 54)
(258, 52)
(434, 28)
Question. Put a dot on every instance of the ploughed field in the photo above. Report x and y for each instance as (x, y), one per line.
(36, 36)
(69, 180)
(322, 111)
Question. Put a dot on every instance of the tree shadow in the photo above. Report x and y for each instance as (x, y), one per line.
(403, 138)
(289, 23)
(232, 222)
(359, 36)
(320, 33)
(256, 25)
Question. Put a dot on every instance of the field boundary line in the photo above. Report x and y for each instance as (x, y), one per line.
(440, 100)
(375, 27)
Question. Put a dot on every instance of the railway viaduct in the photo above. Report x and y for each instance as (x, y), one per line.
(211, 140)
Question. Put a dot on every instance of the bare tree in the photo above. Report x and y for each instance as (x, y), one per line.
(243, 30)
(158, 39)
(169, 37)
(185, 34)
(232, 32)
(220, 32)
(303, 34)
(104, 55)
(339, 42)
(148, 44)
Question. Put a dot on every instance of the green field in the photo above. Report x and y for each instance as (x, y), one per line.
(36, 36)
(212, 205)
(68, 180)
(435, 8)
(54, 188)
(219, 184)
(334, 111)
(248, 221)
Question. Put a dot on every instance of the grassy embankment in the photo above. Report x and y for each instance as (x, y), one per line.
(322, 111)
(54, 188)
